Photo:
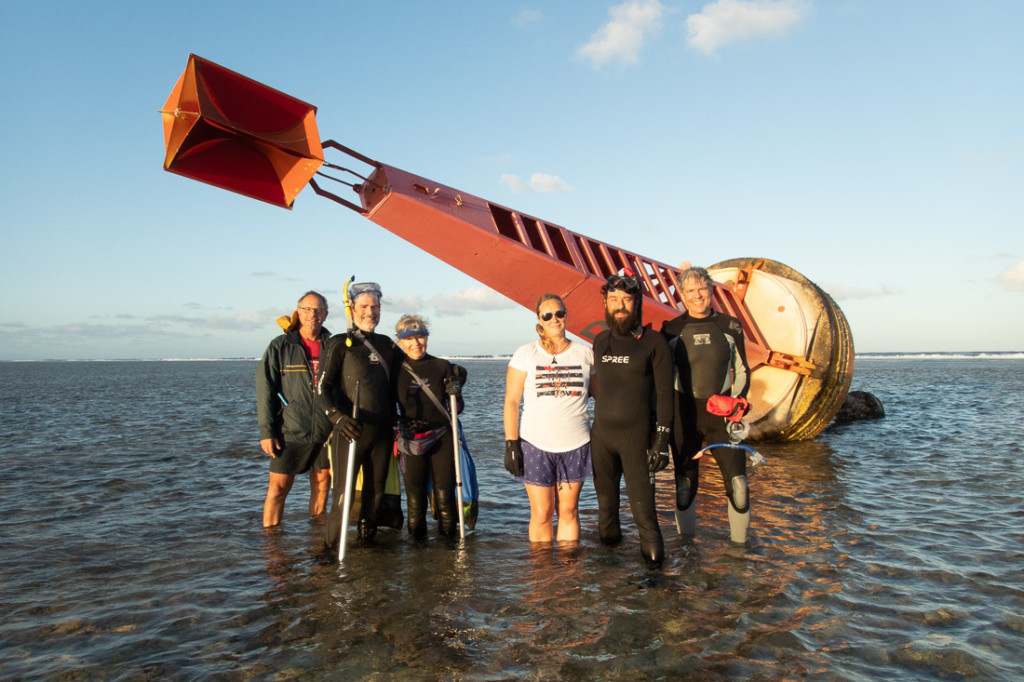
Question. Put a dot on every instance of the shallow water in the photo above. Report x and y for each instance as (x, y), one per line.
(133, 495)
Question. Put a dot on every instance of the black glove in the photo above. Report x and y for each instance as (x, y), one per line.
(409, 427)
(657, 454)
(406, 428)
(514, 457)
(345, 425)
(452, 386)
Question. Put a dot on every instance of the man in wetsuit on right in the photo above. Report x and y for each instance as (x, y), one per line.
(710, 359)
(632, 416)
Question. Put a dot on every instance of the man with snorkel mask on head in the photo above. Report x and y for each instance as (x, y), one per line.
(632, 415)
(370, 361)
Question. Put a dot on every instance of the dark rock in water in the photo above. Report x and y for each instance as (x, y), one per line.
(859, 405)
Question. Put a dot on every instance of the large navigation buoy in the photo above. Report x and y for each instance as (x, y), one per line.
(228, 130)
(801, 381)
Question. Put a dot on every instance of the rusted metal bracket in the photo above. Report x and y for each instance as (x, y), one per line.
(792, 363)
(739, 290)
(334, 197)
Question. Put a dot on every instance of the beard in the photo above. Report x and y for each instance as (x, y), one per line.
(367, 325)
(625, 325)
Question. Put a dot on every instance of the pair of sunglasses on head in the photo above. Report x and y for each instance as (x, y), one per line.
(628, 283)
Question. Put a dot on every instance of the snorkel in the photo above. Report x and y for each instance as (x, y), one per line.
(348, 310)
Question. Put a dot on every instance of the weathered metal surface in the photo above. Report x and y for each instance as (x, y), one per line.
(230, 131)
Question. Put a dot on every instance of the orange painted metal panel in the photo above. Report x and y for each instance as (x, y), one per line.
(459, 228)
(230, 131)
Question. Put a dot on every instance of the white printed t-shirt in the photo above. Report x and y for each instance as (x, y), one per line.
(555, 417)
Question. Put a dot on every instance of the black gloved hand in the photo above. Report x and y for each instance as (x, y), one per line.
(345, 425)
(409, 427)
(452, 386)
(657, 454)
(514, 457)
(406, 428)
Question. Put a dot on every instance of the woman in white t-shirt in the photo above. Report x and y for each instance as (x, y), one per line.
(549, 448)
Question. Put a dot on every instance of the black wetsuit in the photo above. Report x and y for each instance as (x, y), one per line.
(634, 379)
(341, 367)
(418, 412)
(710, 359)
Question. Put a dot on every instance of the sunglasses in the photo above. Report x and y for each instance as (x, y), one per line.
(630, 283)
(558, 313)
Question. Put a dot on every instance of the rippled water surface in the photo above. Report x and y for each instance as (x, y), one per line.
(132, 548)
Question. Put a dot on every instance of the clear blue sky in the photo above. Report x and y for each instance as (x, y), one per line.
(876, 147)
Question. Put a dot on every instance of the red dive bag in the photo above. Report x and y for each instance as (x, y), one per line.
(731, 408)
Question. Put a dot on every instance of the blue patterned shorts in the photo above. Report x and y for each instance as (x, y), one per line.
(548, 469)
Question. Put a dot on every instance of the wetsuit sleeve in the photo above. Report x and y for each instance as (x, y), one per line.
(661, 367)
(396, 357)
(330, 383)
(740, 369)
(402, 381)
(268, 385)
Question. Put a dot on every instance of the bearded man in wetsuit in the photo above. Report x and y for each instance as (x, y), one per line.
(710, 359)
(632, 416)
(371, 361)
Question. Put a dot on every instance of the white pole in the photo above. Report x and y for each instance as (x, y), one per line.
(458, 466)
(350, 467)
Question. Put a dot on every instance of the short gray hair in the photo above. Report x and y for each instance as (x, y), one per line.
(699, 274)
(323, 299)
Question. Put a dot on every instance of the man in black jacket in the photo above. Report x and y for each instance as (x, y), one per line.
(292, 430)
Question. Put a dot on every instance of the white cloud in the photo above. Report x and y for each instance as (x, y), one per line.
(527, 16)
(539, 182)
(543, 182)
(500, 157)
(246, 321)
(621, 38)
(839, 292)
(1012, 278)
(157, 326)
(468, 300)
(729, 21)
(404, 304)
(1011, 151)
(515, 182)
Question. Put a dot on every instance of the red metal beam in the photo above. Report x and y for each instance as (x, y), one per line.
(523, 257)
